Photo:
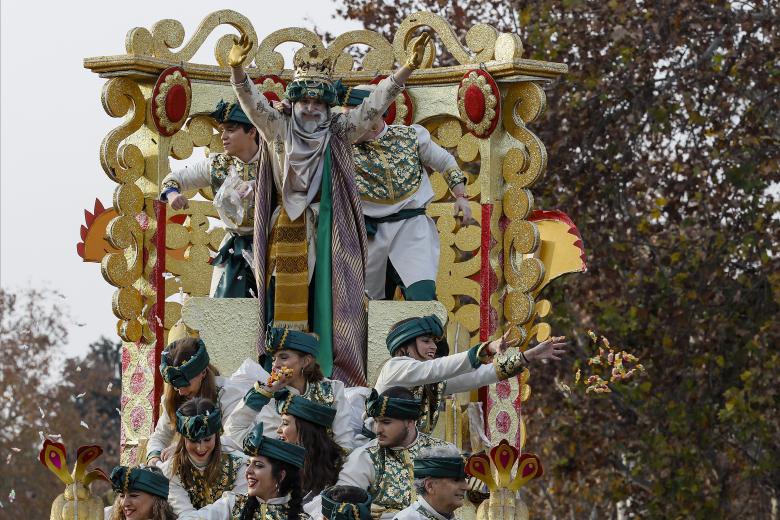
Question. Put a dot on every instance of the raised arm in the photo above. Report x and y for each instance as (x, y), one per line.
(268, 121)
(506, 365)
(243, 418)
(361, 118)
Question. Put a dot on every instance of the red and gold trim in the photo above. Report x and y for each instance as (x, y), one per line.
(478, 102)
(272, 87)
(171, 99)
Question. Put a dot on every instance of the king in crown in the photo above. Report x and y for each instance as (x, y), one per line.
(308, 158)
(312, 79)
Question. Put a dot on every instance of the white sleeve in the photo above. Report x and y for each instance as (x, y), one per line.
(482, 376)
(268, 121)
(361, 118)
(431, 154)
(219, 510)
(232, 395)
(237, 426)
(358, 470)
(192, 177)
(163, 434)
(313, 507)
(407, 372)
(342, 428)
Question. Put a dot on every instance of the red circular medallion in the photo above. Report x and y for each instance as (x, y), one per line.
(171, 99)
(479, 102)
(271, 86)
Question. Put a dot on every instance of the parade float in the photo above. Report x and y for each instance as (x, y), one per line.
(491, 275)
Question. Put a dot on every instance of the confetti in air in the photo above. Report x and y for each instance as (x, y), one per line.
(84, 425)
(109, 387)
(608, 367)
(81, 395)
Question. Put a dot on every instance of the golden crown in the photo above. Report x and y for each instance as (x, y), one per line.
(315, 67)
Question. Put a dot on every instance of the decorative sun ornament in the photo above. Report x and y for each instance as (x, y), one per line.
(478, 102)
(401, 111)
(272, 87)
(171, 101)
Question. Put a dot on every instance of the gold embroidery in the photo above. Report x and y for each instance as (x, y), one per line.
(386, 181)
(508, 366)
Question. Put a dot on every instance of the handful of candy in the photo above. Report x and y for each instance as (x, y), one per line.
(278, 373)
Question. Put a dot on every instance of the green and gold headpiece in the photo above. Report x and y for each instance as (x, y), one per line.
(257, 444)
(279, 339)
(423, 326)
(198, 427)
(439, 467)
(125, 479)
(345, 510)
(182, 375)
(230, 112)
(289, 403)
(393, 407)
(350, 96)
(312, 79)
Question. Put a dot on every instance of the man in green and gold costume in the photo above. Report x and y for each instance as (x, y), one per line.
(233, 277)
(383, 466)
(391, 176)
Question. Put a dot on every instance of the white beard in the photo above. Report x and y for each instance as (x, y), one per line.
(308, 125)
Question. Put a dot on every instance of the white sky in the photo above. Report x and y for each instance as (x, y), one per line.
(52, 124)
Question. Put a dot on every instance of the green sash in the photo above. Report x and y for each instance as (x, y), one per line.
(323, 286)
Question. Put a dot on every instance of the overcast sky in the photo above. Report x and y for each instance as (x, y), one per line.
(52, 124)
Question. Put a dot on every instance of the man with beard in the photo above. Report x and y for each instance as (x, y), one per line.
(440, 482)
(311, 266)
(383, 467)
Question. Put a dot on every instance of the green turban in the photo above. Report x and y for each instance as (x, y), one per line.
(257, 444)
(393, 407)
(279, 339)
(125, 479)
(424, 326)
(198, 427)
(182, 375)
(345, 510)
(312, 88)
(439, 467)
(230, 112)
(303, 408)
(350, 96)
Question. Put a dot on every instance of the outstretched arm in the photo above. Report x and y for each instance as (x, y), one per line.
(360, 120)
(267, 119)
